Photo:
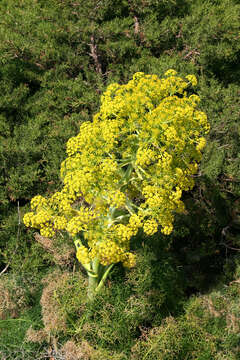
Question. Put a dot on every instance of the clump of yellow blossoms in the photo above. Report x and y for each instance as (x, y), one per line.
(127, 168)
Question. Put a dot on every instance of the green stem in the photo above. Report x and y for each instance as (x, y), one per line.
(104, 277)
(95, 283)
(92, 285)
(94, 269)
(93, 278)
(129, 210)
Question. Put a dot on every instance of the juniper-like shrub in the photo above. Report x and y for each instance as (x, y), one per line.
(125, 171)
(208, 329)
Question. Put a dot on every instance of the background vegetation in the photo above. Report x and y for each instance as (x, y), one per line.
(181, 301)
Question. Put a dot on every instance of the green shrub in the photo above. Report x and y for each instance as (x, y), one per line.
(120, 312)
(209, 329)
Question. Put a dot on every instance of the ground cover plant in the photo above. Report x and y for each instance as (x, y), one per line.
(56, 59)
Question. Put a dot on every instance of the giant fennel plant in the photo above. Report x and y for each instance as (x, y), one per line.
(126, 170)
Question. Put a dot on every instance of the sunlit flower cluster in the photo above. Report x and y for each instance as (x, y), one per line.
(150, 227)
(83, 255)
(80, 221)
(127, 168)
(109, 252)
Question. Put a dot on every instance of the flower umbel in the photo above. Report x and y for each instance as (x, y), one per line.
(127, 169)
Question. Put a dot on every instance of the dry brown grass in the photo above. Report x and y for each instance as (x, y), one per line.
(36, 336)
(53, 317)
(63, 255)
(12, 298)
(72, 351)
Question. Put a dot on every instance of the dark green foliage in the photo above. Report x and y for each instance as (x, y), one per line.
(210, 37)
(197, 237)
(209, 329)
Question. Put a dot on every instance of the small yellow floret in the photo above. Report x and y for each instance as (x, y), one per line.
(130, 260)
(192, 79)
(201, 144)
(170, 72)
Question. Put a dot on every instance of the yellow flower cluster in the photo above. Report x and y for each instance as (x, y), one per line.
(60, 222)
(150, 227)
(108, 167)
(38, 219)
(167, 229)
(127, 168)
(42, 219)
(60, 202)
(49, 215)
(38, 202)
(135, 221)
(116, 198)
(47, 231)
(192, 79)
(170, 72)
(124, 232)
(109, 252)
(145, 157)
(80, 221)
(201, 144)
(27, 219)
(83, 255)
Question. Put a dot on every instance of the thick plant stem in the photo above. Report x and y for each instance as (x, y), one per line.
(93, 279)
(92, 285)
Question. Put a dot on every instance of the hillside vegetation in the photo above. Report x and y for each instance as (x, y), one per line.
(181, 300)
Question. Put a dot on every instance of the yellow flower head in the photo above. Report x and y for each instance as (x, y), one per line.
(127, 168)
(192, 79)
(170, 72)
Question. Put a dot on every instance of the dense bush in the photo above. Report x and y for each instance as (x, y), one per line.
(209, 329)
